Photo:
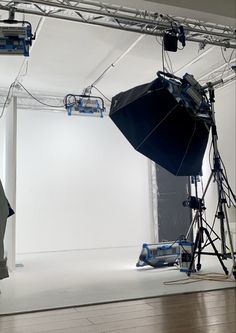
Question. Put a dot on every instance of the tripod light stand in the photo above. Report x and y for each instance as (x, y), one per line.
(169, 121)
(219, 177)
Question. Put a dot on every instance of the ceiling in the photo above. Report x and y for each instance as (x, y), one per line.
(209, 11)
(210, 6)
(66, 57)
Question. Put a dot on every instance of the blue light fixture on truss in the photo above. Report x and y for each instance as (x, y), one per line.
(84, 105)
(15, 36)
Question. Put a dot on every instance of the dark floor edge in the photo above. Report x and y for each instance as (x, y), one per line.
(111, 302)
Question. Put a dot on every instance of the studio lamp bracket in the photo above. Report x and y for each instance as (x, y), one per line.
(15, 36)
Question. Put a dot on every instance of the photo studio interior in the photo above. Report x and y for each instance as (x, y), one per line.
(118, 150)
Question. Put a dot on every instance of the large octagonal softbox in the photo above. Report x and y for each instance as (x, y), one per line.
(162, 126)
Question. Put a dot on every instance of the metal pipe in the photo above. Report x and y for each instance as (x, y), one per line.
(154, 15)
(195, 59)
(216, 69)
(117, 60)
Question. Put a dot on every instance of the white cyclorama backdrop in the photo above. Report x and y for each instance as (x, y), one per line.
(225, 106)
(80, 185)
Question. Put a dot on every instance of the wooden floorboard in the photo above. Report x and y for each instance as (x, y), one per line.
(203, 312)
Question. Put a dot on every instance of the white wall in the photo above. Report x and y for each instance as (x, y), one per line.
(10, 144)
(226, 122)
(80, 184)
(2, 159)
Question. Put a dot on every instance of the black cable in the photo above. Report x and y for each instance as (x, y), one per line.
(226, 176)
(164, 59)
(214, 221)
(38, 25)
(66, 102)
(51, 106)
(170, 67)
(203, 201)
(160, 43)
(228, 195)
(183, 248)
(162, 56)
(223, 55)
(6, 100)
(211, 146)
(226, 186)
(175, 241)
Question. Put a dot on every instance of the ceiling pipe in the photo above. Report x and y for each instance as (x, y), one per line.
(112, 65)
(216, 69)
(194, 60)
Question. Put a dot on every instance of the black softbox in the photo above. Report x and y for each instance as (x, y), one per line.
(160, 126)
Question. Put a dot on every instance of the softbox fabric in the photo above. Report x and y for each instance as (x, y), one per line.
(160, 127)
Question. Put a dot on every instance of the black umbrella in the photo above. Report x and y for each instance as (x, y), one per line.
(163, 125)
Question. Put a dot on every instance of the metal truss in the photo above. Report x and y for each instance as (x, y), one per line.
(38, 101)
(26, 102)
(127, 19)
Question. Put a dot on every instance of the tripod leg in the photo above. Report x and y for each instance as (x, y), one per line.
(198, 266)
(216, 252)
(231, 246)
(196, 216)
(196, 245)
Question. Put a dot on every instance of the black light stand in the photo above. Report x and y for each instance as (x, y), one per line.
(219, 177)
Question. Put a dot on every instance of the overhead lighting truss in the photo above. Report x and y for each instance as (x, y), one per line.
(128, 19)
(26, 102)
(56, 103)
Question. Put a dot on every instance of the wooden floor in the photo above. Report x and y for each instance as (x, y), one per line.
(203, 312)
